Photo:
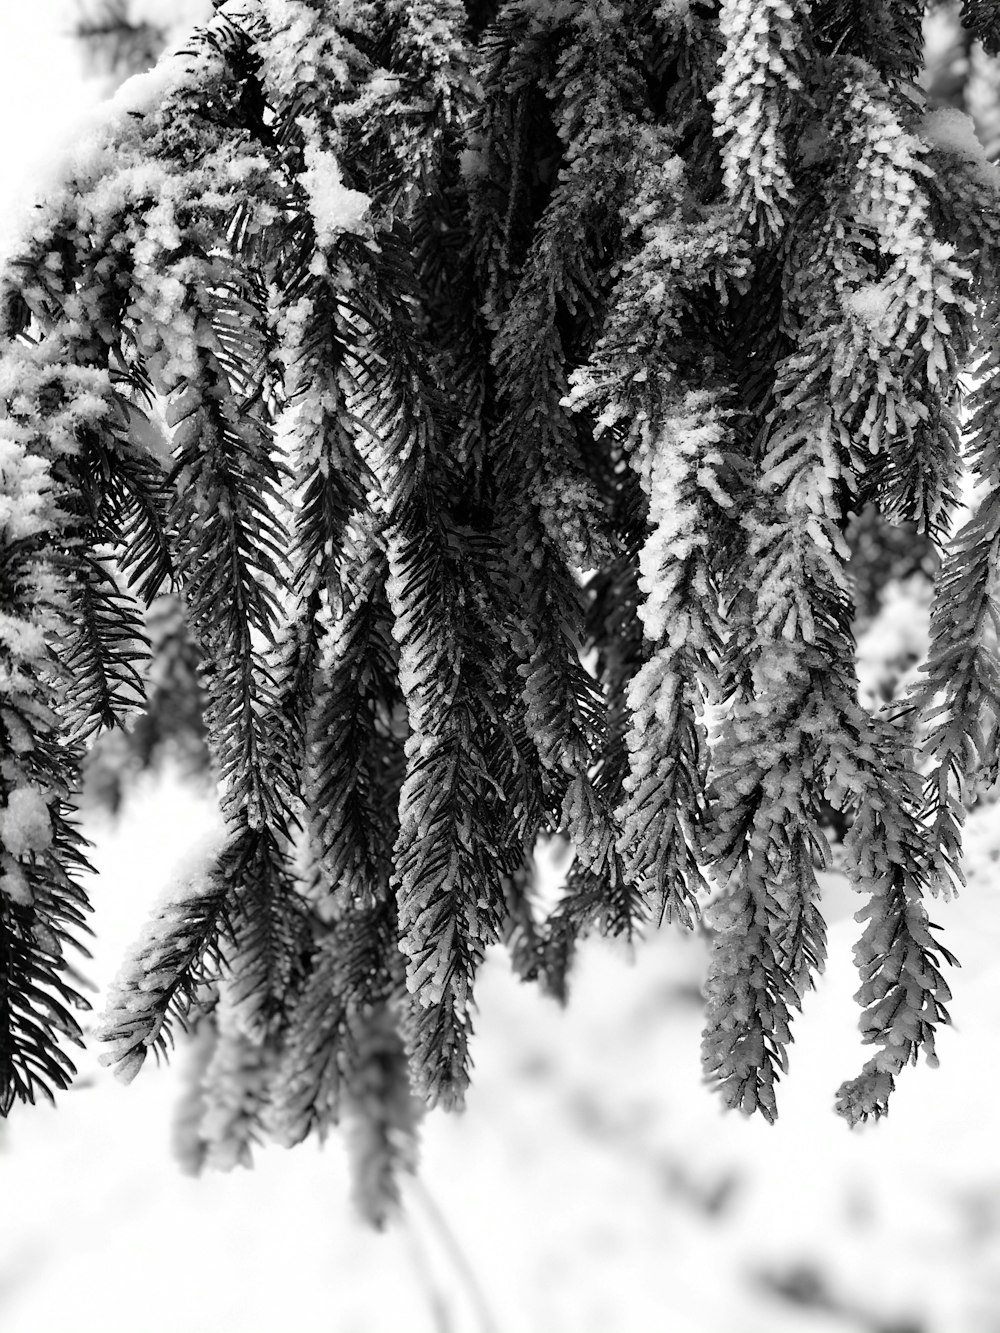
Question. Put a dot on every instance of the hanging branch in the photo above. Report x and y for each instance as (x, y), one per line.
(493, 387)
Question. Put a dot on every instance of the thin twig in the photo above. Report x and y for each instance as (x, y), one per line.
(435, 1297)
(457, 1255)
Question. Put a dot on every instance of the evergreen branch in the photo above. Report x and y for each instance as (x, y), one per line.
(597, 100)
(884, 33)
(754, 101)
(904, 994)
(268, 938)
(961, 691)
(330, 474)
(774, 753)
(552, 515)
(331, 477)
(664, 803)
(354, 758)
(516, 142)
(749, 994)
(230, 544)
(233, 1092)
(104, 650)
(172, 723)
(42, 906)
(600, 890)
(382, 1117)
(122, 490)
(178, 953)
(899, 959)
(680, 455)
(908, 321)
(447, 864)
(39, 911)
(523, 367)
(448, 888)
(614, 899)
(766, 842)
(352, 971)
(980, 18)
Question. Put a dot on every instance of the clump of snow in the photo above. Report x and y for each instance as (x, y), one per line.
(191, 875)
(304, 50)
(334, 207)
(24, 639)
(952, 131)
(472, 164)
(25, 488)
(25, 825)
(144, 93)
(869, 305)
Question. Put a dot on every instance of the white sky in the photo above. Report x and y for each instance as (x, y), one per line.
(41, 93)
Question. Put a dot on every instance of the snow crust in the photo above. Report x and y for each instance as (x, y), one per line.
(335, 208)
(870, 304)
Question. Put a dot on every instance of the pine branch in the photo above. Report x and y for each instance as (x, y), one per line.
(981, 19)
(523, 368)
(233, 1091)
(354, 971)
(382, 1118)
(672, 442)
(960, 696)
(268, 939)
(613, 900)
(447, 864)
(176, 956)
(755, 101)
(355, 755)
(899, 959)
(126, 495)
(105, 650)
(42, 907)
(749, 993)
(790, 724)
(908, 320)
(171, 725)
(885, 33)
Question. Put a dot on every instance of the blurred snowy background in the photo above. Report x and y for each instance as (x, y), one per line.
(593, 1185)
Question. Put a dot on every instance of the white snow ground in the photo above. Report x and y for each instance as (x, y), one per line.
(593, 1183)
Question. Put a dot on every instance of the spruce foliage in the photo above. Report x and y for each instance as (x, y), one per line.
(482, 397)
